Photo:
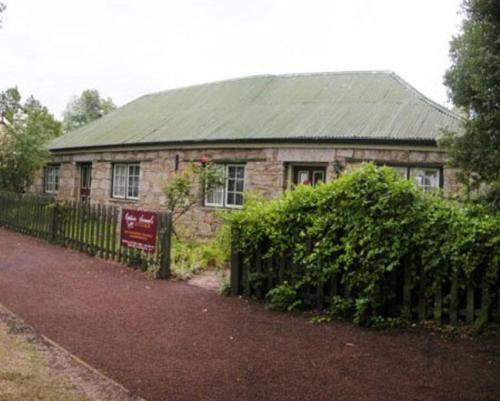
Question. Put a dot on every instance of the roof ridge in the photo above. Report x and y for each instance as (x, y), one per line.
(286, 75)
(220, 81)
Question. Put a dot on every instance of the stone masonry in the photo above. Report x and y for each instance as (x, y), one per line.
(267, 171)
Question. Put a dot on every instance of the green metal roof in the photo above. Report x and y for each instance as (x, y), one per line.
(364, 106)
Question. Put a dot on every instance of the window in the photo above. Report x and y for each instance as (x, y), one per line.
(85, 175)
(308, 175)
(51, 179)
(85, 181)
(231, 194)
(126, 181)
(234, 186)
(427, 178)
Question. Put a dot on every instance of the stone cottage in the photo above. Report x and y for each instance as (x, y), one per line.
(267, 133)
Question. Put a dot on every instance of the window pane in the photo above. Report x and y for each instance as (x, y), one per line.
(133, 191)
(86, 176)
(426, 178)
(215, 197)
(119, 180)
(303, 177)
(51, 178)
(133, 181)
(235, 185)
(231, 172)
(318, 176)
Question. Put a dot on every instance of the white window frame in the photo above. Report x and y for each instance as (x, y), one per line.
(225, 188)
(221, 188)
(138, 178)
(126, 184)
(226, 195)
(425, 188)
(408, 175)
(51, 179)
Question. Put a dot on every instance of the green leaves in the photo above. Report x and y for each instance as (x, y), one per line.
(23, 151)
(363, 226)
(87, 107)
(283, 298)
(186, 188)
(473, 82)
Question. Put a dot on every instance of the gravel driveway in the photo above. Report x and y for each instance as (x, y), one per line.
(167, 340)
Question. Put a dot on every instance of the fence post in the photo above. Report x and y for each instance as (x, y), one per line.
(236, 265)
(407, 287)
(53, 223)
(165, 244)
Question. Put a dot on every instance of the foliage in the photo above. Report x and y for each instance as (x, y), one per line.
(363, 227)
(10, 104)
(186, 188)
(29, 126)
(321, 319)
(283, 297)
(87, 107)
(473, 87)
(190, 257)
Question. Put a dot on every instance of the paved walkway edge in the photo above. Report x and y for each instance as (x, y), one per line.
(75, 358)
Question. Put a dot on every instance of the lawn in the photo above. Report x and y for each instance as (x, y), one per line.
(25, 373)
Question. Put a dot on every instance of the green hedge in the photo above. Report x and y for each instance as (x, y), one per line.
(366, 225)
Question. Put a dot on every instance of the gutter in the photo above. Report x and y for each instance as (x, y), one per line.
(252, 141)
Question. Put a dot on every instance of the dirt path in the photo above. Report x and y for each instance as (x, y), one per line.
(171, 341)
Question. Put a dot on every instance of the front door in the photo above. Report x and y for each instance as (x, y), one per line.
(309, 175)
(85, 181)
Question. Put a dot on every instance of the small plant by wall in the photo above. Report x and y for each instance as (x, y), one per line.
(191, 256)
(372, 247)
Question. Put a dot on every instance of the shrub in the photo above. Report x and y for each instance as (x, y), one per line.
(364, 227)
(283, 297)
(189, 256)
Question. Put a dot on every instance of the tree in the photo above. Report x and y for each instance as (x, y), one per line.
(474, 87)
(10, 103)
(186, 188)
(23, 152)
(89, 106)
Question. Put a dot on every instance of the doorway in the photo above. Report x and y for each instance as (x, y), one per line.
(85, 181)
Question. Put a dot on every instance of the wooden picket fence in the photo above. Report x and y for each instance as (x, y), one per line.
(89, 228)
(254, 275)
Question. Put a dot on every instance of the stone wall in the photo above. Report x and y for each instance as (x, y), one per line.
(267, 171)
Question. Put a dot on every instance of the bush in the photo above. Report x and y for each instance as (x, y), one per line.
(283, 297)
(364, 226)
(190, 257)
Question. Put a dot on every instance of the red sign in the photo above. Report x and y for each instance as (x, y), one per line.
(138, 229)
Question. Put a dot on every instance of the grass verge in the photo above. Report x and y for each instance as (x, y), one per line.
(25, 374)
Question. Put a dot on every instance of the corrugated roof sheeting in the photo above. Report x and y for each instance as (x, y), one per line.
(369, 105)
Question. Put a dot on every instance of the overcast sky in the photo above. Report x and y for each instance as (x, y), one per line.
(54, 49)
